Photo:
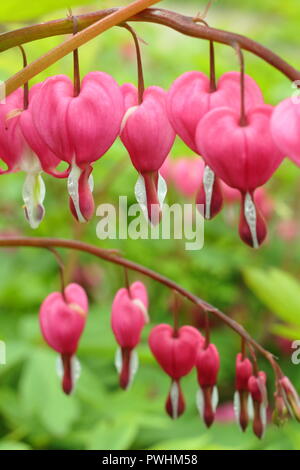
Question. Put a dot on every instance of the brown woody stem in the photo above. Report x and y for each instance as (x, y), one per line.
(183, 24)
(115, 258)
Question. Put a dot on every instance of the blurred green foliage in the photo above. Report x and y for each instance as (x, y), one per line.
(34, 414)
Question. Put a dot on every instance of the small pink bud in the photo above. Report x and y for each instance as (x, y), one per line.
(291, 396)
(258, 391)
(176, 353)
(281, 412)
(148, 136)
(208, 365)
(62, 321)
(244, 371)
(128, 318)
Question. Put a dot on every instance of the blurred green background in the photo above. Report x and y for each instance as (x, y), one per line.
(258, 288)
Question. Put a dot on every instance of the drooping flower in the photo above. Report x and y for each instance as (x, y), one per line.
(22, 149)
(189, 100)
(128, 318)
(241, 397)
(79, 129)
(258, 391)
(62, 321)
(285, 128)
(148, 136)
(242, 159)
(208, 365)
(176, 353)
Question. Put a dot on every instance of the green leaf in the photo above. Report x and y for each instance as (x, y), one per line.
(279, 291)
(41, 394)
(194, 443)
(113, 435)
(15, 11)
(11, 445)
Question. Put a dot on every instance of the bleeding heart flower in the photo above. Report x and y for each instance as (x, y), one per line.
(22, 149)
(189, 100)
(285, 128)
(79, 129)
(176, 353)
(291, 397)
(62, 320)
(208, 365)
(257, 388)
(243, 372)
(128, 318)
(148, 136)
(241, 158)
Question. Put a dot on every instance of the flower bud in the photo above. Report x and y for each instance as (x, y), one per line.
(241, 396)
(258, 391)
(208, 365)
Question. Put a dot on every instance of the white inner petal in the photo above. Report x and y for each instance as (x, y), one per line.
(73, 181)
(133, 366)
(118, 360)
(174, 396)
(75, 369)
(162, 190)
(208, 184)
(250, 216)
(263, 416)
(33, 194)
(237, 406)
(250, 407)
(214, 398)
(141, 196)
(200, 401)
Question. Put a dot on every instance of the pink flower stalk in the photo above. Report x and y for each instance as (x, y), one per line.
(258, 391)
(243, 372)
(242, 159)
(128, 318)
(148, 136)
(208, 365)
(22, 149)
(189, 100)
(285, 128)
(176, 353)
(79, 129)
(291, 397)
(62, 321)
